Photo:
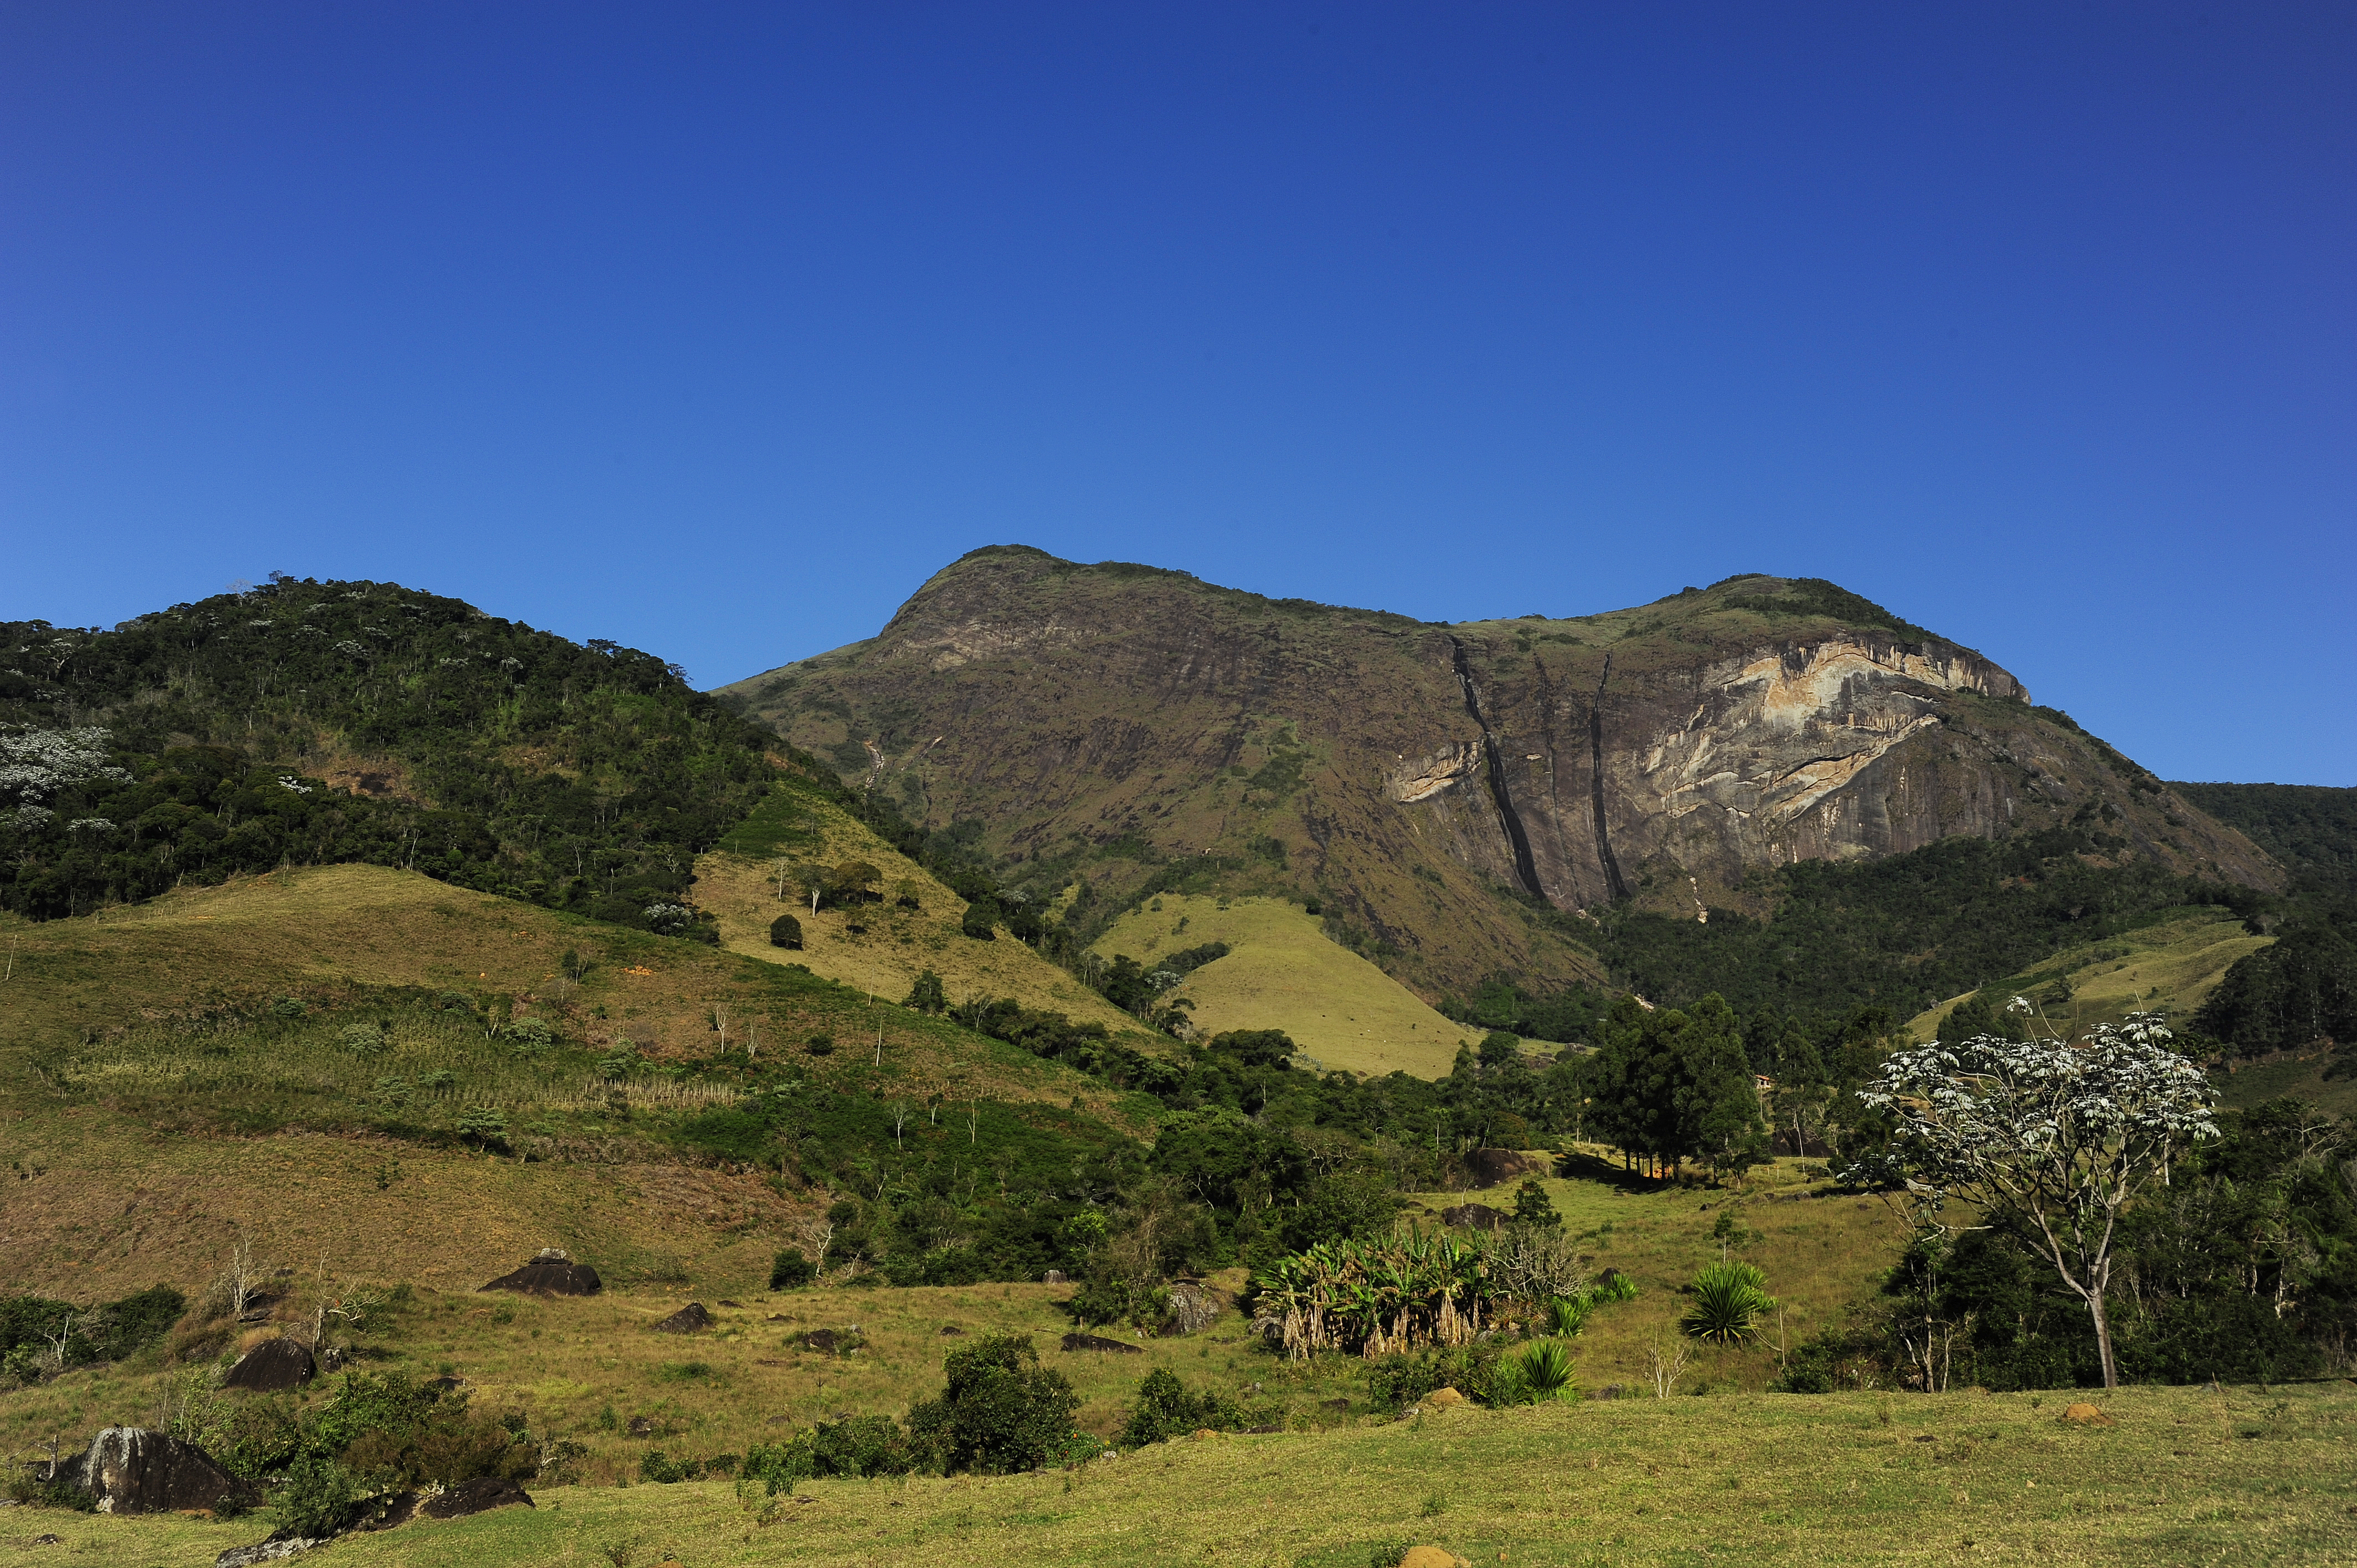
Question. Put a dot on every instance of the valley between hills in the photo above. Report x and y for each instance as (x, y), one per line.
(1009, 1031)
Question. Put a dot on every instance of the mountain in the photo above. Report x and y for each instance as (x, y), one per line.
(1446, 793)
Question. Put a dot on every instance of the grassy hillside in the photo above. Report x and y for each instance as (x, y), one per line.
(181, 1067)
(2169, 968)
(2184, 1474)
(1283, 973)
(737, 882)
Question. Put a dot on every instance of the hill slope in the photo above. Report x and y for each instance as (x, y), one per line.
(299, 1055)
(1435, 783)
(1283, 973)
(880, 946)
(307, 723)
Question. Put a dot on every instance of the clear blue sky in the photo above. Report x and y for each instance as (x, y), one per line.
(715, 329)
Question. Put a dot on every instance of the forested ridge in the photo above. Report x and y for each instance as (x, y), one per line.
(197, 743)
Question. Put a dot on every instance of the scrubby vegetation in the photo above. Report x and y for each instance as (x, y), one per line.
(314, 722)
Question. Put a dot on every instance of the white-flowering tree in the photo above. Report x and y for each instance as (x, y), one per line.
(2048, 1137)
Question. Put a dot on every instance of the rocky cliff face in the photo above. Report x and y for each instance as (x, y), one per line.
(1098, 718)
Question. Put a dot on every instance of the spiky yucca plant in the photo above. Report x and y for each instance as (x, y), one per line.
(1728, 1301)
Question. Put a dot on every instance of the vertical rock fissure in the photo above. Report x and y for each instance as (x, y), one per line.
(1526, 871)
(1612, 883)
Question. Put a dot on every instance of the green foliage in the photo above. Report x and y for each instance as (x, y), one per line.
(315, 1498)
(1567, 1315)
(1165, 1408)
(587, 777)
(928, 996)
(38, 1336)
(1677, 1085)
(980, 921)
(2301, 989)
(1398, 1380)
(1728, 1299)
(786, 932)
(1393, 1293)
(1900, 933)
(1000, 1412)
(1543, 1372)
(2311, 828)
(790, 1270)
(1533, 1207)
(32, 1487)
(1816, 598)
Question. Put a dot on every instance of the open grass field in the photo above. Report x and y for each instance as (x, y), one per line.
(2245, 1477)
(2169, 968)
(2298, 1078)
(738, 883)
(1285, 975)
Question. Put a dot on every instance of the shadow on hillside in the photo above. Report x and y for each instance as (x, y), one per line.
(1580, 1165)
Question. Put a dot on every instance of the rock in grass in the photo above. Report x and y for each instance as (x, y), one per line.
(2085, 1414)
(1079, 1341)
(551, 1273)
(1442, 1398)
(272, 1367)
(478, 1495)
(130, 1469)
(1432, 1557)
(1474, 1217)
(686, 1320)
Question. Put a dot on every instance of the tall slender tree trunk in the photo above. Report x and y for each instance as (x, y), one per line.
(2104, 1337)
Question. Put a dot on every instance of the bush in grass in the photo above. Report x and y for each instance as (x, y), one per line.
(786, 932)
(1395, 1382)
(1541, 1372)
(317, 1495)
(29, 1486)
(980, 922)
(1000, 1410)
(928, 996)
(1728, 1300)
(1533, 1207)
(790, 1270)
(863, 1446)
(1165, 1409)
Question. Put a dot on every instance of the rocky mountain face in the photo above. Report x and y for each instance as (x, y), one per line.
(1442, 787)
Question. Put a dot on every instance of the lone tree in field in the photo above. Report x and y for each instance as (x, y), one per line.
(2046, 1137)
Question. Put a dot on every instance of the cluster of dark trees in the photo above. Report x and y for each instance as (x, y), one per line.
(187, 746)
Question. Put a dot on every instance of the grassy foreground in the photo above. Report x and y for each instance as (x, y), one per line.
(1284, 974)
(2186, 1476)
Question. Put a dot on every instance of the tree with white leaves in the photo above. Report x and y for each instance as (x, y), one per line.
(2049, 1138)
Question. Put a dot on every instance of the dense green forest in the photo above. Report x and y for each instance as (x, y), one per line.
(2309, 829)
(190, 745)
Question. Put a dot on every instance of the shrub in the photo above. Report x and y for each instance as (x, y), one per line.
(363, 1037)
(486, 1125)
(928, 996)
(1542, 1372)
(790, 1270)
(980, 922)
(1000, 1412)
(786, 932)
(29, 1486)
(318, 1494)
(1165, 1408)
(1728, 1299)
(1615, 1286)
(863, 1446)
(1533, 1207)
(1568, 1314)
(1394, 1382)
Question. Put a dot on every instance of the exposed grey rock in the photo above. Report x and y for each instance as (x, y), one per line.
(130, 1469)
(478, 1496)
(1079, 1341)
(1474, 1217)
